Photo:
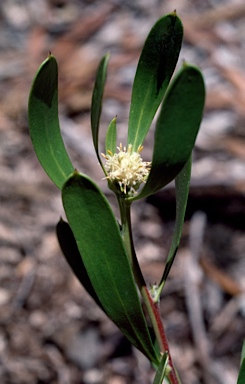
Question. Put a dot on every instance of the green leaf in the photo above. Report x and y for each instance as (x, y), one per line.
(44, 123)
(111, 137)
(243, 351)
(70, 250)
(182, 183)
(101, 247)
(241, 377)
(155, 68)
(176, 128)
(162, 369)
(97, 98)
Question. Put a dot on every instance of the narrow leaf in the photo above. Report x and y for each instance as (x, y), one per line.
(70, 250)
(100, 245)
(44, 123)
(182, 183)
(155, 68)
(243, 351)
(241, 377)
(176, 128)
(97, 98)
(111, 136)
(162, 368)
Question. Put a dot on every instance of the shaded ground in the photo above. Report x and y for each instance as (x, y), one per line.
(51, 332)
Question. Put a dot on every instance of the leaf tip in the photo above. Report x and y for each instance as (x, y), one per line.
(51, 57)
(75, 173)
(61, 220)
(184, 64)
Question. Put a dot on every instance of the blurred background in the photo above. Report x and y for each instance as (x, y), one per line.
(51, 332)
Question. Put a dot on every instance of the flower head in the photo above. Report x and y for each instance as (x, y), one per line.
(126, 169)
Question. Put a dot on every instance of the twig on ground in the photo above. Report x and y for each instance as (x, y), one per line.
(192, 280)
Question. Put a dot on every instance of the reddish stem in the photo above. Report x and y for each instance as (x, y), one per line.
(153, 309)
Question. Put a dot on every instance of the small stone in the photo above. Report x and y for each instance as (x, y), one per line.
(37, 319)
(4, 296)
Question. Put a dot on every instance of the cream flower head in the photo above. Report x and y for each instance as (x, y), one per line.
(126, 169)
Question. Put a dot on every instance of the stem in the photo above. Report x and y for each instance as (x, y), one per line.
(154, 313)
(151, 305)
(127, 237)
